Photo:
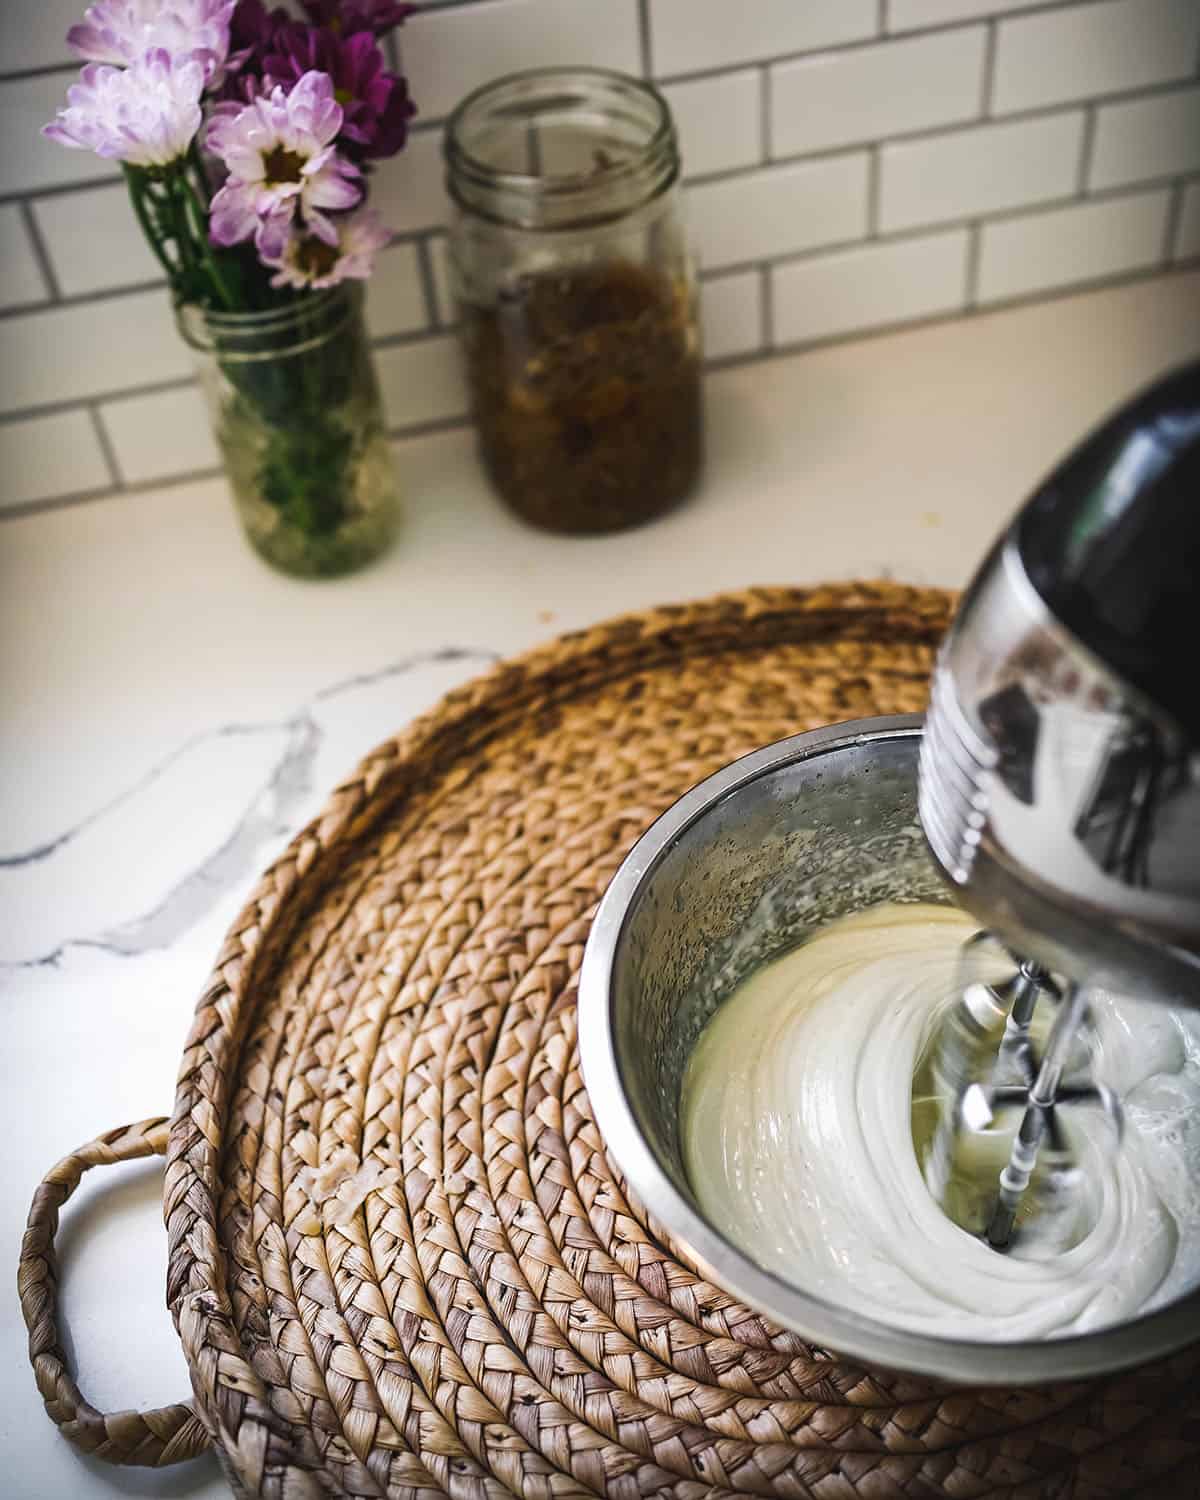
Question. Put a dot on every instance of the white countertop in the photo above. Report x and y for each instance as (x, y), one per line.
(173, 712)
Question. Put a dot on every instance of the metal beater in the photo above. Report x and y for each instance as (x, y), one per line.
(1060, 777)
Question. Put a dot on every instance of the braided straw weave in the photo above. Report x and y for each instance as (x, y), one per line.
(399, 1261)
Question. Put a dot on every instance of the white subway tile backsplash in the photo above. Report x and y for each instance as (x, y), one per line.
(29, 160)
(93, 240)
(719, 121)
(409, 191)
(903, 77)
(422, 382)
(1085, 242)
(21, 279)
(731, 314)
(866, 93)
(1187, 236)
(395, 298)
(447, 53)
(869, 287)
(44, 458)
(161, 435)
(979, 171)
(89, 349)
(1103, 48)
(688, 36)
(779, 210)
(33, 33)
(908, 15)
(443, 283)
(1146, 138)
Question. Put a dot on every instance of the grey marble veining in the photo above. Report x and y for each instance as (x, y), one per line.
(206, 818)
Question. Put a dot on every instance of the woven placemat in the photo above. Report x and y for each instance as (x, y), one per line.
(400, 1263)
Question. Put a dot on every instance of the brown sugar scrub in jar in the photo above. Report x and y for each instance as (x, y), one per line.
(577, 298)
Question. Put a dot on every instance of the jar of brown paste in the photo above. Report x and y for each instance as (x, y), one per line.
(576, 297)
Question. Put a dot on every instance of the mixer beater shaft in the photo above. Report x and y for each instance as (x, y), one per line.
(979, 1078)
(1039, 1110)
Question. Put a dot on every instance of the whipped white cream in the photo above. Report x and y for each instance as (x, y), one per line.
(797, 1138)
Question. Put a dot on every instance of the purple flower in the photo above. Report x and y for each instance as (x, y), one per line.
(375, 103)
(306, 261)
(147, 115)
(122, 31)
(348, 16)
(251, 37)
(281, 160)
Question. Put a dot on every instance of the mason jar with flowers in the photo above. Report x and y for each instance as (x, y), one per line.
(247, 138)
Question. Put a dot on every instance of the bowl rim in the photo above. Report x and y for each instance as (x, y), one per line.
(1024, 1362)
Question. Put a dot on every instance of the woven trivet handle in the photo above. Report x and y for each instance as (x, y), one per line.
(152, 1439)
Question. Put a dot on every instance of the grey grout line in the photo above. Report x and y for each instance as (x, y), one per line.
(986, 310)
(56, 189)
(988, 90)
(1002, 12)
(428, 285)
(27, 508)
(1086, 149)
(713, 366)
(409, 336)
(1006, 117)
(974, 249)
(726, 174)
(433, 428)
(1174, 223)
(416, 336)
(442, 330)
(132, 288)
(767, 299)
(53, 408)
(1010, 117)
(930, 132)
(644, 43)
(871, 39)
(89, 299)
(766, 134)
(106, 444)
(43, 70)
(764, 60)
(41, 254)
(874, 191)
(881, 20)
(945, 226)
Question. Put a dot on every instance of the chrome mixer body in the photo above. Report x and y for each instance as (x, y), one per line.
(1060, 769)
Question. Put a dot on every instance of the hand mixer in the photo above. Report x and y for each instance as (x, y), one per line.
(1060, 770)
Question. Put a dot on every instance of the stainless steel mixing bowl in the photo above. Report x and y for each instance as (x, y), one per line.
(738, 871)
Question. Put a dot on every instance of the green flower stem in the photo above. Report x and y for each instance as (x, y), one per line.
(182, 232)
(138, 186)
(199, 221)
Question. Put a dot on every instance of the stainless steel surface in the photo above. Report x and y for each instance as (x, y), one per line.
(735, 873)
(987, 1072)
(1039, 1113)
(1062, 805)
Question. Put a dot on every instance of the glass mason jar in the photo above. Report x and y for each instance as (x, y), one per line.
(296, 412)
(576, 296)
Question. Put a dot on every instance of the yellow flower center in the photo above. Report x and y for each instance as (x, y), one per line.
(282, 165)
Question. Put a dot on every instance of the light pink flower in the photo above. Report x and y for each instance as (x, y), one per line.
(280, 155)
(122, 31)
(306, 261)
(147, 115)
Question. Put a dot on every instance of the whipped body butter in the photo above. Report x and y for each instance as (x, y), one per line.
(798, 1141)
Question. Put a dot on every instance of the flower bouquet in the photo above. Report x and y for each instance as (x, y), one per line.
(247, 138)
